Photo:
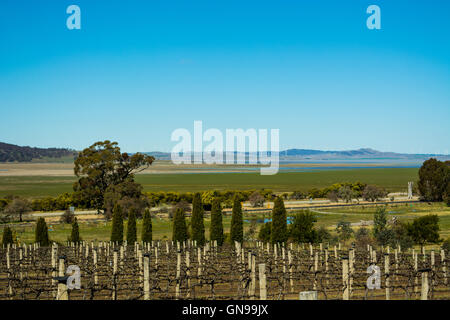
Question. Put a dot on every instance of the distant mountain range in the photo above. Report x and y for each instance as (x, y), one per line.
(359, 154)
(14, 153)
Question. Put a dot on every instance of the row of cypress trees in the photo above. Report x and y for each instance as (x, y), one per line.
(117, 226)
(278, 232)
(180, 230)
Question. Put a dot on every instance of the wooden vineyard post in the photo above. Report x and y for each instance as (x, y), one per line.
(351, 267)
(432, 272)
(115, 262)
(316, 266)
(262, 281)
(140, 259)
(95, 260)
(326, 266)
(146, 276)
(283, 256)
(444, 267)
(345, 279)
(178, 276)
(291, 280)
(188, 273)
(416, 279)
(199, 268)
(8, 267)
(386, 273)
(122, 255)
(62, 293)
(253, 276)
(156, 258)
(425, 287)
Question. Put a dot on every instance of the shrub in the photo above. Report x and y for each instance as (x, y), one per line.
(117, 225)
(67, 217)
(298, 195)
(237, 227)
(363, 238)
(179, 227)
(75, 234)
(373, 193)
(216, 228)
(434, 177)
(301, 229)
(279, 223)
(197, 224)
(344, 230)
(147, 227)
(256, 199)
(446, 246)
(41, 233)
(131, 228)
(264, 232)
(7, 236)
(424, 229)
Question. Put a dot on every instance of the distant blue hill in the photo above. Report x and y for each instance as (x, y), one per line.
(359, 154)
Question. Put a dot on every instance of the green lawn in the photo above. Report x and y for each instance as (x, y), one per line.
(391, 179)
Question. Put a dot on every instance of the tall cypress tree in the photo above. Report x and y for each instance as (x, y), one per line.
(41, 233)
(75, 234)
(216, 229)
(179, 226)
(131, 228)
(117, 225)
(7, 236)
(197, 225)
(147, 227)
(279, 224)
(237, 227)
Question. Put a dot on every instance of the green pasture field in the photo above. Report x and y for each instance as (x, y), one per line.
(393, 179)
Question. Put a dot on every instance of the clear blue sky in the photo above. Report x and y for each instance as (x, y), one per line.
(137, 70)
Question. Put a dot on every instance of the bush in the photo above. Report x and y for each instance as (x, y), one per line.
(344, 230)
(264, 232)
(298, 195)
(301, 229)
(446, 246)
(373, 193)
(363, 238)
(237, 227)
(7, 236)
(41, 233)
(400, 236)
(333, 196)
(323, 235)
(424, 229)
(256, 199)
(434, 178)
(131, 228)
(279, 223)
(75, 234)
(67, 217)
(147, 227)
(197, 224)
(216, 228)
(117, 225)
(179, 227)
